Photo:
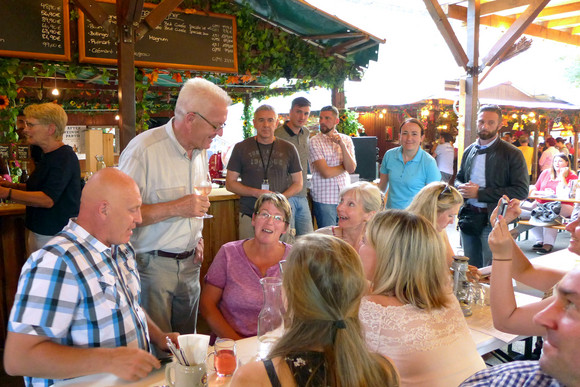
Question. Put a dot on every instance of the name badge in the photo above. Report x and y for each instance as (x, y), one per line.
(265, 185)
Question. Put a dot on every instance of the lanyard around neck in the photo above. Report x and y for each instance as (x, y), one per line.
(265, 167)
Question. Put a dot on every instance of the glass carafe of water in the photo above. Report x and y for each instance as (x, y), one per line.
(271, 318)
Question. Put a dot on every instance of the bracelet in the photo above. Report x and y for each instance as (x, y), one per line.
(501, 260)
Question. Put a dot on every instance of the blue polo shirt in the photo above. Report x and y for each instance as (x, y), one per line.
(405, 180)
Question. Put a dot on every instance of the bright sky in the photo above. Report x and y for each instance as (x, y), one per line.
(415, 61)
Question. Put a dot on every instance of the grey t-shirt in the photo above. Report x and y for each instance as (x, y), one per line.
(246, 161)
(300, 141)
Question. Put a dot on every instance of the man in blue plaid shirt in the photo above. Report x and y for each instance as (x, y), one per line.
(559, 364)
(77, 308)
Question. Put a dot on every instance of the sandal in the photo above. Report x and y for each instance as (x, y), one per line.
(538, 246)
(545, 250)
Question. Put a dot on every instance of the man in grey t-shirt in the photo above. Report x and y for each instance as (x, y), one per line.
(265, 164)
(296, 133)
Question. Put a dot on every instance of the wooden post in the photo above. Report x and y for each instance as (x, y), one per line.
(128, 11)
(337, 99)
(471, 83)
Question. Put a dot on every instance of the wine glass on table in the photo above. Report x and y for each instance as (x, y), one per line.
(203, 187)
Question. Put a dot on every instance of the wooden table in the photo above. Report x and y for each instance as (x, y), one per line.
(486, 337)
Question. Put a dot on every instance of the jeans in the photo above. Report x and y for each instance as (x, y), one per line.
(170, 292)
(477, 247)
(301, 219)
(325, 214)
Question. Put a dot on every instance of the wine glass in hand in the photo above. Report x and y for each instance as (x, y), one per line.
(203, 187)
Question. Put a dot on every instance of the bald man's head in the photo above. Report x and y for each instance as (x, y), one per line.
(110, 206)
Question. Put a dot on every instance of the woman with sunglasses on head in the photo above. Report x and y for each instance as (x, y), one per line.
(439, 203)
(411, 314)
(323, 344)
(232, 297)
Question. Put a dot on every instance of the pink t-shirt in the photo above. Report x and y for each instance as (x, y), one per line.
(242, 297)
(545, 182)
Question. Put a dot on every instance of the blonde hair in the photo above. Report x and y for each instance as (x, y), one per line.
(197, 93)
(49, 113)
(324, 284)
(368, 194)
(411, 262)
(434, 199)
(278, 200)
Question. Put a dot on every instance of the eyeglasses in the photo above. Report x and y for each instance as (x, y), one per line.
(28, 123)
(265, 216)
(217, 128)
(446, 190)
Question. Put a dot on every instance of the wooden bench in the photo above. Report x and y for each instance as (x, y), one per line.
(556, 226)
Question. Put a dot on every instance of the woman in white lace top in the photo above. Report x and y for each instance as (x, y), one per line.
(411, 315)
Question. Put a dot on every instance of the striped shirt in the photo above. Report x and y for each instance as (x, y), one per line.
(514, 374)
(321, 147)
(80, 293)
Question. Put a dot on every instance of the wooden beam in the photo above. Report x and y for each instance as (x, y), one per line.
(98, 15)
(471, 82)
(514, 32)
(564, 22)
(130, 10)
(335, 36)
(126, 72)
(534, 30)
(447, 32)
(156, 17)
(343, 47)
(501, 5)
(560, 9)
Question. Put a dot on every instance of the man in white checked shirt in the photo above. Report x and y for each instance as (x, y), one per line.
(331, 161)
(77, 311)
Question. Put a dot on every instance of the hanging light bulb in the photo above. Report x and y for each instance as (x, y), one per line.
(117, 117)
(381, 115)
(55, 91)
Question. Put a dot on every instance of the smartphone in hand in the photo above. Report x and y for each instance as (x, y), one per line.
(503, 205)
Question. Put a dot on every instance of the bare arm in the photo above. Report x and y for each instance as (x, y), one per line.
(296, 185)
(348, 160)
(210, 297)
(507, 316)
(32, 198)
(157, 336)
(187, 206)
(233, 185)
(326, 171)
(541, 278)
(383, 182)
(37, 356)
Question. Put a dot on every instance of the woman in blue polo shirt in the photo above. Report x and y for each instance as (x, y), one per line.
(407, 168)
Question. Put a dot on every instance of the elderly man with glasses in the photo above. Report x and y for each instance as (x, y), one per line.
(167, 163)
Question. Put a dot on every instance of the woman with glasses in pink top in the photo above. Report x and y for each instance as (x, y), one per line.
(231, 297)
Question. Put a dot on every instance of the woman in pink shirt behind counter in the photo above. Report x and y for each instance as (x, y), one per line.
(232, 297)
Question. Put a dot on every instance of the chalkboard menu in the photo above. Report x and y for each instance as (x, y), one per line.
(36, 29)
(198, 41)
